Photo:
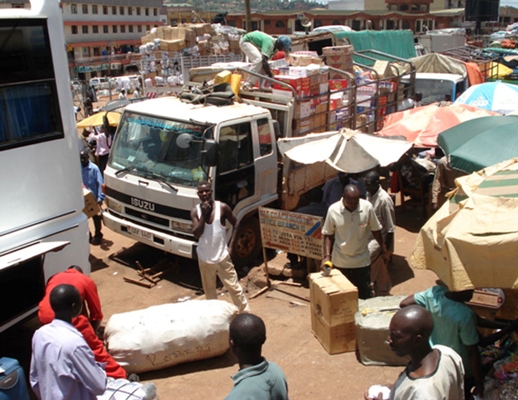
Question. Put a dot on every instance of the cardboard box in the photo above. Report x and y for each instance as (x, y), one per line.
(335, 340)
(91, 206)
(338, 50)
(175, 45)
(333, 298)
(383, 68)
(372, 329)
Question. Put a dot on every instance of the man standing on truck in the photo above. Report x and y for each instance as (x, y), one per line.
(346, 231)
(260, 47)
(214, 258)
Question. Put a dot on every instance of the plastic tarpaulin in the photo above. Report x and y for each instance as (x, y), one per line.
(438, 63)
(422, 125)
(398, 43)
(472, 240)
(347, 150)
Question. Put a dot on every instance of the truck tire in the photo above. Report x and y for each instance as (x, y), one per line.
(247, 243)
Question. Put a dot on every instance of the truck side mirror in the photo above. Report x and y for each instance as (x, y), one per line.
(210, 153)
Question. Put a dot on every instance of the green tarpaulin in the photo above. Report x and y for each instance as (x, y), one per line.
(398, 43)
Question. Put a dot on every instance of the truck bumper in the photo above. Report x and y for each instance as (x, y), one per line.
(169, 243)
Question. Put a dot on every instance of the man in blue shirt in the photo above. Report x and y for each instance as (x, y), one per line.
(93, 181)
(257, 378)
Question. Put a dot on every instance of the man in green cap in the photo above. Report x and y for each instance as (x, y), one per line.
(259, 47)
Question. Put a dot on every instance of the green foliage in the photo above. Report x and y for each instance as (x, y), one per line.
(238, 6)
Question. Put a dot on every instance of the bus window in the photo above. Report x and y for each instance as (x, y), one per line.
(29, 106)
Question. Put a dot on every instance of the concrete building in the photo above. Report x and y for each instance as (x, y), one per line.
(101, 37)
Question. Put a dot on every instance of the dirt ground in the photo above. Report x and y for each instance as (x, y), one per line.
(311, 372)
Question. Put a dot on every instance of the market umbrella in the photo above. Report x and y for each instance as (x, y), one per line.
(97, 119)
(421, 125)
(481, 142)
(494, 96)
(347, 150)
(472, 240)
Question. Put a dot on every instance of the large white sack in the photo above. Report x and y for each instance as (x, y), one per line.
(169, 334)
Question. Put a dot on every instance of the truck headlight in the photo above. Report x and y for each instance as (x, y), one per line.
(181, 226)
(113, 205)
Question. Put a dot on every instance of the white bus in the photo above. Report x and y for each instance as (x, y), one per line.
(42, 227)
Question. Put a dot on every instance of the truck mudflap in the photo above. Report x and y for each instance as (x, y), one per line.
(159, 240)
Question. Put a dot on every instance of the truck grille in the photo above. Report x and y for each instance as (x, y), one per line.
(147, 217)
(144, 225)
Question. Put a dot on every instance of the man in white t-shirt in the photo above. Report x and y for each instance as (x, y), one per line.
(214, 258)
(433, 372)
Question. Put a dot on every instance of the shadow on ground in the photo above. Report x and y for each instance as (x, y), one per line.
(224, 361)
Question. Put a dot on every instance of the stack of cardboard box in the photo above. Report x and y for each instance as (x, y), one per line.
(339, 57)
(334, 302)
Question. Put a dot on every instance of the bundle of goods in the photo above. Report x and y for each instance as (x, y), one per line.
(169, 334)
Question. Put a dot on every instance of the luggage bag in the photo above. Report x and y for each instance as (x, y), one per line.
(13, 385)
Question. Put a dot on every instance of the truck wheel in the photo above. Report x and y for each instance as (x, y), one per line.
(247, 243)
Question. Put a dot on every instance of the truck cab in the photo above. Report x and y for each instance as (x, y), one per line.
(435, 86)
(165, 147)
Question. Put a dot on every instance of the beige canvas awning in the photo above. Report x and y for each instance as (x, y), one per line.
(472, 240)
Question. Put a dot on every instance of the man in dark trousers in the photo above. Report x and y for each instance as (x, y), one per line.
(214, 258)
(257, 378)
(347, 230)
(93, 181)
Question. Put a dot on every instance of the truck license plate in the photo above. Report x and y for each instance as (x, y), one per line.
(139, 232)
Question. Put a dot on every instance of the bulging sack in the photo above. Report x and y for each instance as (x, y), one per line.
(169, 334)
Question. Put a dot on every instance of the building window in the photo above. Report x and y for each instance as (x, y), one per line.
(123, 28)
(424, 7)
(74, 29)
(415, 7)
(317, 23)
(138, 10)
(105, 10)
(139, 28)
(121, 10)
(85, 29)
(155, 11)
(147, 11)
(95, 29)
(114, 10)
(95, 9)
(148, 27)
(105, 28)
(279, 24)
(336, 22)
(130, 11)
(85, 8)
(114, 29)
(73, 8)
(130, 28)
(403, 7)
(393, 7)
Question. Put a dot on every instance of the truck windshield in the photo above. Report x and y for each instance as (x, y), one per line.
(434, 90)
(147, 146)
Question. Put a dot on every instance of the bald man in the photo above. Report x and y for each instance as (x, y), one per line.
(433, 372)
(347, 229)
(257, 378)
(62, 364)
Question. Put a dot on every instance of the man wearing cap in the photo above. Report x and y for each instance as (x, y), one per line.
(260, 47)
